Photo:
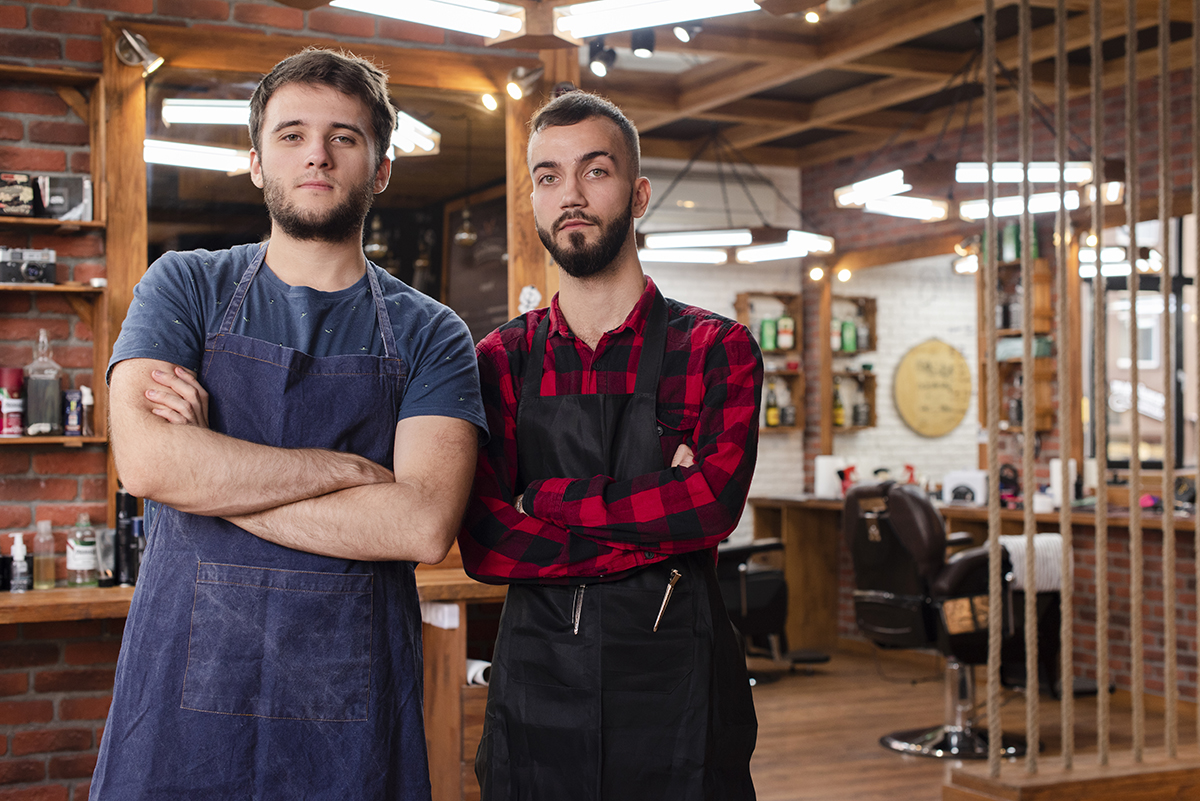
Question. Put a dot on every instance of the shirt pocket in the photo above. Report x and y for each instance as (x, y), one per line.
(676, 426)
(279, 643)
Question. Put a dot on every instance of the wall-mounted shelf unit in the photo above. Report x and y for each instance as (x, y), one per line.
(785, 366)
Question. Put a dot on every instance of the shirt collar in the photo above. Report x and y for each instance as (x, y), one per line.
(635, 322)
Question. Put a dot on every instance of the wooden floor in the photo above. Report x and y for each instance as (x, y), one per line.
(818, 735)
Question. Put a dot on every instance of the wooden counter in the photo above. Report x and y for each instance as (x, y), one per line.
(453, 711)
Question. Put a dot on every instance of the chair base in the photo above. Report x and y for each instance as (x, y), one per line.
(951, 742)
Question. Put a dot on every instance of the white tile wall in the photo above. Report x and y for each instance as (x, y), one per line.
(916, 300)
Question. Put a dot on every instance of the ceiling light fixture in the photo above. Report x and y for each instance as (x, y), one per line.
(684, 256)
(727, 238)
(600, 58)
(199, 111)
(1012, 172)
(812, 17)
(798, 245)
(202, 157)
(856, 195)
(975, 210)
(585, 20)
(816, 273)
(412, 135)
(522, 80)
(466, 235)
(843, 275)
(911, 207)
(685, 33)
(479, 17)
(489, 101)
(966, 265)
(642, 42)
(133, 50)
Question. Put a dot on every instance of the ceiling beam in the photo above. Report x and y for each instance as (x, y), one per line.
(913, 62)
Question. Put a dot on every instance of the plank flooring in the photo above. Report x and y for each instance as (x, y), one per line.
(818, 736)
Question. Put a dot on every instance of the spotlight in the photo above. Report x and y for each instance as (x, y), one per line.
(643, 43)
(685, 33)
(843, 275)
(489, 102)
(521, 81)
(816, 273)
(600, 58)
(812, 17)
(134, 51)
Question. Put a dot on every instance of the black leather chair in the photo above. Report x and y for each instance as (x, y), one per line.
(756, 598)
(908, 594)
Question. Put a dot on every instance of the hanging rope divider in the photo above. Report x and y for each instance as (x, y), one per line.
(1100, 390)
(990, 275)
(1136, 556)
(1196, 220)
(1170, 657)
(1029, 414)
(1067, 403)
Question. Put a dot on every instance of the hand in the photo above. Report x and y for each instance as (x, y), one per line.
(517, 503)
(683, 457)
(180, 400)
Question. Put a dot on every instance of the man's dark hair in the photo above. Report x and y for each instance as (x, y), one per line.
(575, 107)
(344, 72)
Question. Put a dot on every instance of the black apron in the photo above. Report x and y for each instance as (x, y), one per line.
(586, 701)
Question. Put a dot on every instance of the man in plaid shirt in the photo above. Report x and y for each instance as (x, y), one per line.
(624, 431)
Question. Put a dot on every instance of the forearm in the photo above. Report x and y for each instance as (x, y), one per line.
(196, 470)
(380, 522)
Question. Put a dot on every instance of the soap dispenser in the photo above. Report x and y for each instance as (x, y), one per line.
(22, 578)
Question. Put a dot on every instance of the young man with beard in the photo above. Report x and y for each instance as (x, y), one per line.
(307, 427)
(624, 435)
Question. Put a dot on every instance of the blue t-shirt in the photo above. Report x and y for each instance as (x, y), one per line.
(183, 297)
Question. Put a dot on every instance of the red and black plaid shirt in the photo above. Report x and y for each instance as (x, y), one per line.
(708, 396)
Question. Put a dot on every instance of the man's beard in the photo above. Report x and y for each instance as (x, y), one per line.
(579, 259)
(336, 225)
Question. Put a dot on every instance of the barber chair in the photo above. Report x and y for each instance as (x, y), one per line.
(908, 594)
(756, 598)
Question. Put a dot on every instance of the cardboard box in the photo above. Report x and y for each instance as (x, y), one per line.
(66, 197)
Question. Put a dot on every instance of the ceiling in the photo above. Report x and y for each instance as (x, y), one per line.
(779, 89)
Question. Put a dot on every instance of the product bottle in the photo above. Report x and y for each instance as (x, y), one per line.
(835, 335)
(768, 339)
(849, 337)
(81, 554)
(21, 580)
(772, 405)
(89, 402)
(839, 410)
(126, 547)
(786, 327)
(43, 391)
(43, 557)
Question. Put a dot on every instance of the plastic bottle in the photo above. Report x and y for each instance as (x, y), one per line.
(786, 336)
(89, 402)
(43, 391)
(772, 405)
(21, 579)
(81, 554)
(43, 557)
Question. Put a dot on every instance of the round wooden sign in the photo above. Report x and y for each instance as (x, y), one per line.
(932, 388)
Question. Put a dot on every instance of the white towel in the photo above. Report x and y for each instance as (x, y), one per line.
(1047, 560)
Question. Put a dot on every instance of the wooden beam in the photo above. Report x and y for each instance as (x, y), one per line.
(913, 62)
(942, 245)
(248, 51)
(733, 43)
(680, 149)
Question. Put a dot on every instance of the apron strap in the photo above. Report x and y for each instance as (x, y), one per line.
(243, 286)
(531, 382)
(381, 314)
(654, 343)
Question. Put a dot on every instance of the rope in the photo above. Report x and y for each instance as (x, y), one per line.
(1171, 666)
(1136, 557)
(1100, 391)
(1066, 402)
(1196, 206)
(990, 276)
(1029, 484)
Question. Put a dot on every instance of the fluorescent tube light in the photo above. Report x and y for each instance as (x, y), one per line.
(909, 207)
(480, 17)
(585, 20)
(700, 239)
(798, 245)
(684, 256)
(185, 111)
(1012, 172)
(972, 210)
(203, 157)
(858, 193)
(411, 131)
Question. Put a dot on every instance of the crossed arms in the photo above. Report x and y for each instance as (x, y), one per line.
(321, 501)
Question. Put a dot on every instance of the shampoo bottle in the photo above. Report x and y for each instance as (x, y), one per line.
(43, 557)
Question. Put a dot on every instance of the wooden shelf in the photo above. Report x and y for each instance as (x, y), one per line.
(778, 429)
(65, 603)
(793, 380)
(68, 442)
(75, 289)
(64, 226)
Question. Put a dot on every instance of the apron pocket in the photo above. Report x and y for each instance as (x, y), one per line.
(279, 643)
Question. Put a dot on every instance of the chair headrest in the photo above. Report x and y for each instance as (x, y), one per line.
(918, 525)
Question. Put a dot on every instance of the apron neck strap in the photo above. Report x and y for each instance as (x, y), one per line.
(654, 342)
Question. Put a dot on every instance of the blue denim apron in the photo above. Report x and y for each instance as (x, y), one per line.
(587, 701)
(253, 671)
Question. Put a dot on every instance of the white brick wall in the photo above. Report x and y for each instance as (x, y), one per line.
(916, 300)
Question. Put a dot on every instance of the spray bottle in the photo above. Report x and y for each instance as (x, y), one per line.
(22, 579)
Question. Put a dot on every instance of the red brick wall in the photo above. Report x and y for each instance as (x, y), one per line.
(55, 688)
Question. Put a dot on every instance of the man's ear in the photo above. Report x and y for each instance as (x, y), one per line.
(383, 175)
(641, 196)
(256, 169)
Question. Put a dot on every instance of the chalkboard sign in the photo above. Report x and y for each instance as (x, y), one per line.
(476, 278)
(932, 388)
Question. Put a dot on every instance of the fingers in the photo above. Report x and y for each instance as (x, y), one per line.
(182, 394)
(684, 457)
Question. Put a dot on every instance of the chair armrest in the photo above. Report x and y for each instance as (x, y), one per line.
(965, 573)
(959, 539)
